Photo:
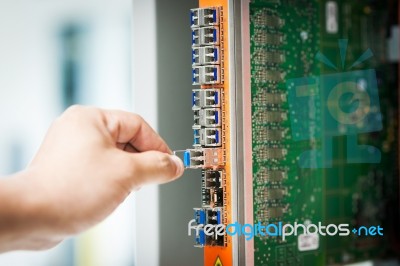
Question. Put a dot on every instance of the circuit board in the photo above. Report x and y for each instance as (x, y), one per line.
(285, 37)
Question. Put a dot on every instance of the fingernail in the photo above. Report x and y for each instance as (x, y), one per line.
(179, 165)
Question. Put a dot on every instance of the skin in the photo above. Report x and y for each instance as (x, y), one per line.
(89, 162)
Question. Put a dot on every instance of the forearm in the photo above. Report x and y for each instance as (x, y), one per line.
(23, 223)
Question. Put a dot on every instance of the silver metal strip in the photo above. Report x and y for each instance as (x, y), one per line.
(233, 128)
(243, 126)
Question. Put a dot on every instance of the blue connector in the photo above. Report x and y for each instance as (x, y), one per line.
(216, 99)
(195, 37)
(196, 75)
(200, 238)
(193, 98)
(216, 54)
(200, 216)
(218, 217)
(186, 158)
(215, 16)
(215, 35)
(196, 135)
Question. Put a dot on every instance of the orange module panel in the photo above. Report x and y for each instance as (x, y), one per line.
(211, 150)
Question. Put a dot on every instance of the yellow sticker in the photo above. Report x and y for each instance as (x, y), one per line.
(218, 262)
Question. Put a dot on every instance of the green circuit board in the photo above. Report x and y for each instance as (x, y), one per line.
(286, 36)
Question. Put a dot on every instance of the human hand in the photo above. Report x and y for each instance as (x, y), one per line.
(88, 163)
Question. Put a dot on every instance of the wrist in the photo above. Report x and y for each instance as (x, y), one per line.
(24, 223)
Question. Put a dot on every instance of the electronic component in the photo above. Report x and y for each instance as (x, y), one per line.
(270, 175)
(270, 194)
(207, 137)
(212, 179)
(199, 215)
(204, 16)
(202, 75)
(268, 153)
(209, 117)
(267, 18)
(203, 158)
(205, 36)
(264, 75)
(269, 116)
(208, 216)
(206, 98)
(269, 213)
(264, 98)
(207, 55)
(212, 197)
(270, 57)
(212, 191)
(263, 37)
(265, 167)
(264, 134)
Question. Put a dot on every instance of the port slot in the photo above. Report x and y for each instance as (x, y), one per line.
(214, 215)
(194, 17)
(212, 197)
(196, 75)
(210, 158)
(211, 75)
(210, 117)
(206, 75)
(200, 17)
(196, 37)
(196, 119)
(210, 55)
(215, 240)
(210, 137)
(207, 55)
(212, 179)
(210, 16)
(209, 36)
(206, 197)
(196, 56)
(212, 191)
(208, 216)
(207, 137)
(196, 137)
(206, 98)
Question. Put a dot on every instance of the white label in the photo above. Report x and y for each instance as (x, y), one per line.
(308, 242)
(331, 14)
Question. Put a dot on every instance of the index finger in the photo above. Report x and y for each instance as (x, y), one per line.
(131, 128)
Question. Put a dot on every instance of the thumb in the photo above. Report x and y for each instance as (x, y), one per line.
(155, 167)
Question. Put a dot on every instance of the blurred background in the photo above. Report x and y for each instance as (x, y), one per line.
(131, 55)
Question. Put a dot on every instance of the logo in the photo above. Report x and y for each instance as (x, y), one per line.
(339, 104)
(307, 233)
